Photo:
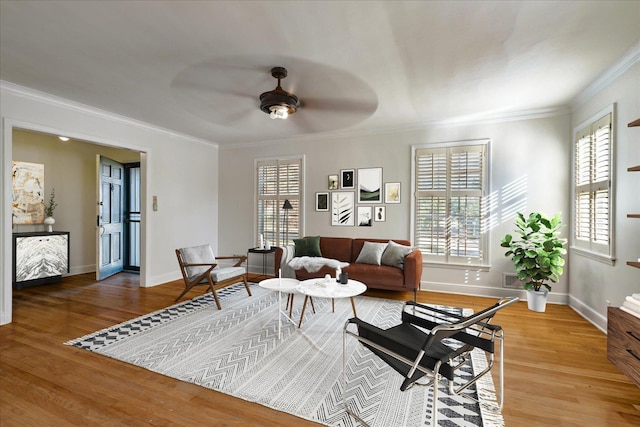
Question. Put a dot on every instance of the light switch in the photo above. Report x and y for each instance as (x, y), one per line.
(155, 203)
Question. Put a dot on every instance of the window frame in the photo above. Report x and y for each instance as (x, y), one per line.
(448, 260)
(592, 249)
(297, 200)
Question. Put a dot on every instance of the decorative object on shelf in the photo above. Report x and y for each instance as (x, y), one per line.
(287, 207)
(370, 185)
(342, 208)
(392, 192)
(537, 255)
(332, 183)
(364, 216)
(322, 202)
(48, 211)
(27, 206)
(347, 179)
(49, 221)
(279, 103)
(380, 213)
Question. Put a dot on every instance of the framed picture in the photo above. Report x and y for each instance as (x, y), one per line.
(379, 214)
(392, 192)
(364, 216)
(347, 179)
(27, 180)
(342, 208)
(370, 185)
(333, 182)
(322, 202)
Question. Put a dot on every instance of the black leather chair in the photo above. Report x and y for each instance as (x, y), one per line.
(428, 341)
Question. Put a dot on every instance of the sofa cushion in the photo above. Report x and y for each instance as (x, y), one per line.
(394, 254)
(371, 253)
(376, 276)
(308, 246)
(337, 248)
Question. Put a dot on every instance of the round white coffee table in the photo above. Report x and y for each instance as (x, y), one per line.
(281, 285)
(319, 288)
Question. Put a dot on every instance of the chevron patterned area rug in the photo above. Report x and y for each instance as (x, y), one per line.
(237, 351)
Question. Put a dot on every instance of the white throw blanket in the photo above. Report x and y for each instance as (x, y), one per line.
(315, 263)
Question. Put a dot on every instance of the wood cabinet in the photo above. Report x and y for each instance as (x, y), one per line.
(39, 258)
(636, 264)
(623, 342)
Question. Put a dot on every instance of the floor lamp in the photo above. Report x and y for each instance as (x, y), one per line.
(287, 207)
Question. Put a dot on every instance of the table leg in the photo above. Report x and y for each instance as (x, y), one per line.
(304, 306)
(290, 304)
(353, 306)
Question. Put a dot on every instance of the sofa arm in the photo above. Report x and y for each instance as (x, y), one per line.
(413, 269)
(277, 259)
(282, 257)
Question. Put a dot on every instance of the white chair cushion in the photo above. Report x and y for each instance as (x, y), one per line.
(223, 273)
(197, 255)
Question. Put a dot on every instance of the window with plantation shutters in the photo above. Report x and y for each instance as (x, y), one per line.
(592, 185)
(450, 186)
(277, 181)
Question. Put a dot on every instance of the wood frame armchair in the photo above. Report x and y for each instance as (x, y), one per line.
(199, 266)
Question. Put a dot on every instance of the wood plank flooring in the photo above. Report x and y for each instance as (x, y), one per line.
(557, 373)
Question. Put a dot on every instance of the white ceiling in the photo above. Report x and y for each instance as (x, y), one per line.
(198, 67)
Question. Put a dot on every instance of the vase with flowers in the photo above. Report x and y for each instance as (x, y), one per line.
(48, 211)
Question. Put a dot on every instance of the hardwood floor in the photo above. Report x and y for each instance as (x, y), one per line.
(557, 373)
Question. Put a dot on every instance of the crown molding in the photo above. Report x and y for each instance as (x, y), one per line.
(35, 95)
(607, 77)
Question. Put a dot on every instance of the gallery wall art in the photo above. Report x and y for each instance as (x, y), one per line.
(322, 202)
(392, 192)
(351, 208)
(27, 205)
(370, 185)
(342, 208)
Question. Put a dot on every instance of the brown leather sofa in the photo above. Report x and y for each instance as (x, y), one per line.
(374, 276)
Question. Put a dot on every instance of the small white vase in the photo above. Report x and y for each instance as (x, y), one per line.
(49, 221)
(537, 300)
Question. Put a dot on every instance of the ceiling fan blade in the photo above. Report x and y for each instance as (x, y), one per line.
(340, 105)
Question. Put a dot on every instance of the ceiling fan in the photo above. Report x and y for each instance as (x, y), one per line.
(279, 103)
(323, 98)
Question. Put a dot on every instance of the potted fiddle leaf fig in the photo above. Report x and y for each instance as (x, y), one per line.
(536, 252)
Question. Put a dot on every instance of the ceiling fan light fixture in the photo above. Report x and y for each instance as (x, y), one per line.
(279, 112)
(279, 103)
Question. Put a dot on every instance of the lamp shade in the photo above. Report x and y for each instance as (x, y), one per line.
(287, 205)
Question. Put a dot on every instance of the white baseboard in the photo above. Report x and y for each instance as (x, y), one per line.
(488, 291)
(81, 269)
(5, 318)
(597, 319)
(162, 279)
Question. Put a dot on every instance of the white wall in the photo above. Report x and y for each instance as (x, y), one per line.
(594, 283)
(180, 170)
(529, 159)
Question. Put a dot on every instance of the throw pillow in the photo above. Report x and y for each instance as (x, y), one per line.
(309, 246)
(394, 254)
(371, 253)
